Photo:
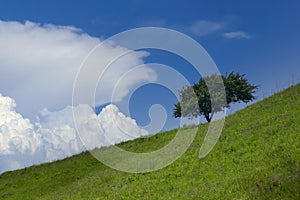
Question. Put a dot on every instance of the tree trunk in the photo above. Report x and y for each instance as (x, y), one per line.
(211, 116)
(207, 117)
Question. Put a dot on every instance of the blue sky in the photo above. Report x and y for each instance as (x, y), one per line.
(257, 38)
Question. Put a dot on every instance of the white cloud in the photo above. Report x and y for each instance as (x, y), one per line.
(38, 64)
(204, 27)
(200, 27)
(53, 136)
(17, 134)
(237, 35)
(18, 139)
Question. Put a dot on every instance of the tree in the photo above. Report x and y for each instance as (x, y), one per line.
(196, 100)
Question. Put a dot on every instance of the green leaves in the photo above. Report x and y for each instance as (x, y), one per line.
(238, 88)
(207, 96)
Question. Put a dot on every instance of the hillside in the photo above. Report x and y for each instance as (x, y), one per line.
(257, 157)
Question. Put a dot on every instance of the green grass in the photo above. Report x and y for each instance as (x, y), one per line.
(256, 157)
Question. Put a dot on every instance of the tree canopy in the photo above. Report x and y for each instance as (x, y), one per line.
(199, 99)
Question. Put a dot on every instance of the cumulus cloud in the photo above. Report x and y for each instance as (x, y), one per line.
(54, 136)
(38, 64)
(17, 134)
(237, 35)
(18, 139)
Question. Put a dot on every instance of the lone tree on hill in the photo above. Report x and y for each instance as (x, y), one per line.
(196, 100)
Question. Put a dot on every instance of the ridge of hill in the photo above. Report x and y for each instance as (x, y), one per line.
(256, 157)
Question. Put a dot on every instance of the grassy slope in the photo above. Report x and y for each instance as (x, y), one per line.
(257, 157)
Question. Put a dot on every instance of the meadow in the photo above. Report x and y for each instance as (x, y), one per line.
(256, 157)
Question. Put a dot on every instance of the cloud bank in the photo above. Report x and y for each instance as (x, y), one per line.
(38, 64)
(53, 136)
